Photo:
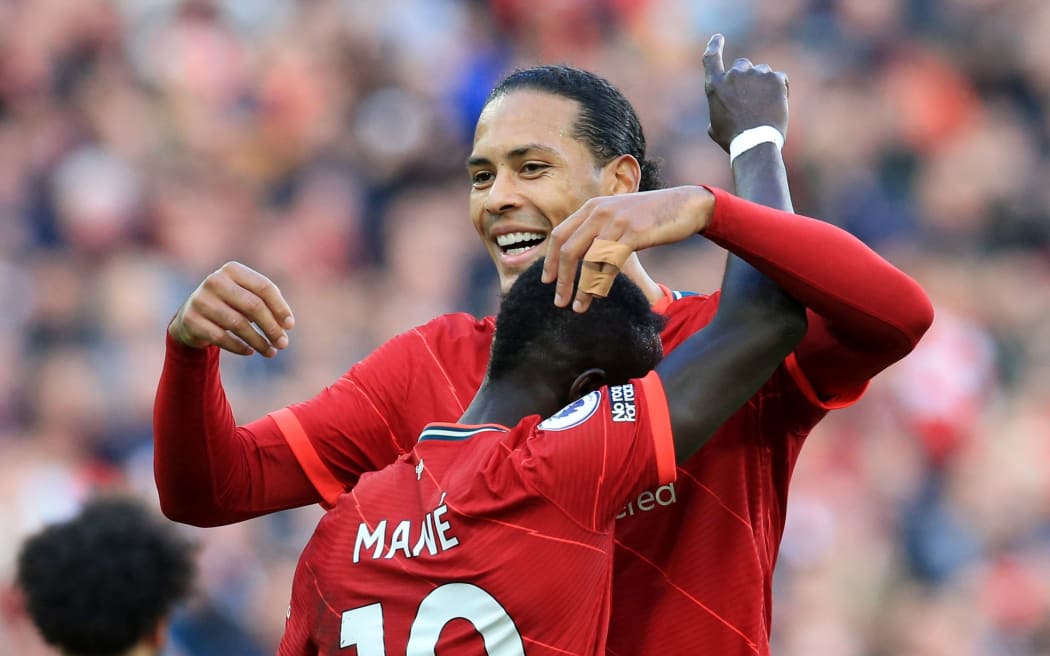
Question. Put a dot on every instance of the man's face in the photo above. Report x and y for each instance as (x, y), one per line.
(527, 173)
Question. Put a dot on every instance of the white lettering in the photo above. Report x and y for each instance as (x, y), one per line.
(447, 541)
(667, 490)
(426, 537)
(367, 539)
(435, 534)
(622, 400)
(648, 500)
(399, 540)
(645, 500)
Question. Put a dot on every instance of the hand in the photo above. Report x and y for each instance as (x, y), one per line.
(639, 220)
(223, 308)
(743, 97)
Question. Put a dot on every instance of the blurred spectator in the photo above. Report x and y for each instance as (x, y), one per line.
(107, 580)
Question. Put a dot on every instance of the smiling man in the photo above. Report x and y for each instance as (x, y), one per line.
(590, 144)
(559, 154)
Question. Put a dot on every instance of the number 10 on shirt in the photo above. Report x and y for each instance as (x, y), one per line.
(363, 626)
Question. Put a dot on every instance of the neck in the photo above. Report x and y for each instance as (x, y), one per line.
(632, 268)
(509, 400)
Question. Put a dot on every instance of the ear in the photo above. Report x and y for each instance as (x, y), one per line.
(158, 637)
(586, 383)
(622, 175)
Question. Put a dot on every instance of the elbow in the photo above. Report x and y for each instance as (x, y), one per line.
(792, 327)
(175, 511)
(914, 320)
(779, 329)
(921, 319)
(786, 323)
(175, 508)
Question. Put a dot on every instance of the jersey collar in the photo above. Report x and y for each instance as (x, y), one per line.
(455, 432)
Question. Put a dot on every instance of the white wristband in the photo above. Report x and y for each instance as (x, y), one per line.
(748, 139)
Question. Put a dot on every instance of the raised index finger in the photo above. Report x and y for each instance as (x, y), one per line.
(713, 65)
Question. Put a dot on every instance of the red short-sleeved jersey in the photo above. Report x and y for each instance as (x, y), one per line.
(675, 542)
(484, 539)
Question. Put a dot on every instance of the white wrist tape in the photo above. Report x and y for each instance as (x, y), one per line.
(748, 139)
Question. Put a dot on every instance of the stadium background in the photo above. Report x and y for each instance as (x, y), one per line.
(145, 142)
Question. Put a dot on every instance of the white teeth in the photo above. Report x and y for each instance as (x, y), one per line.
(505, 241)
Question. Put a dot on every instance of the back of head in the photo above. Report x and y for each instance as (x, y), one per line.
(607, 123)
(619, 333)
(101, 582)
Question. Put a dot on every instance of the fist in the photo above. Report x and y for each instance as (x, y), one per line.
(237, 309)
(744, 97)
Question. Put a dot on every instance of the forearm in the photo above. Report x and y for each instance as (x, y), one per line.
(864, 300)
(713, 373)
(759, 176)
(201, 457)
(756, 327)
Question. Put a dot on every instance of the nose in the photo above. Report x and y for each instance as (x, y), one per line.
(503, 194)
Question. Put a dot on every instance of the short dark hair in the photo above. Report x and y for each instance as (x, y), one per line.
(607, 122)
(99, 583)
(619, 333)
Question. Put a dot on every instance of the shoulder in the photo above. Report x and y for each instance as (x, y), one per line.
(686, 313)
(457, 331)
(680, 302)
(446, 336)
(457, 325)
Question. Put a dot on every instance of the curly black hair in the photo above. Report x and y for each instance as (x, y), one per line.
(607, 122)
(99, 583)
(619, 333)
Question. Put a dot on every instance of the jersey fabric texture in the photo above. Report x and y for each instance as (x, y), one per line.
(484, 539)
(694, 560)
(674, 544)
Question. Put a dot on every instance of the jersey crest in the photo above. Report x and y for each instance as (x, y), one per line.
(573, 414)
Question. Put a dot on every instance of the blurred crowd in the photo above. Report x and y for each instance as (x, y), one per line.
(145, 142)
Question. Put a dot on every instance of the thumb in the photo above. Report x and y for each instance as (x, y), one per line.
(713, 65)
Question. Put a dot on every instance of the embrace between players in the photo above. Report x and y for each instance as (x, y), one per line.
(474, 468)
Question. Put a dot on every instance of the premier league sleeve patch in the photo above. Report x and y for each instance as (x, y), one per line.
(573, 414)
(621, 398)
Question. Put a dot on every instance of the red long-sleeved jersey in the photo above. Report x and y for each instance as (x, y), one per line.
(694, 560)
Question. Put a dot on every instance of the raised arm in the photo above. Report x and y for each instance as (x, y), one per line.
(197, 444)
(714, 372)
(852, 335)
(210, 471)
(864, 313)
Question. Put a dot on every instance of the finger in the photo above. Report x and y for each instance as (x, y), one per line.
(610, 231)
(784, 78)
(569, 256)
(229, 319)
(713, 65)
(555, 240)
(257, 311)
(228, 342)
(742, 64)
(212, 333)
(264, 288)
(582, 302)
(763, 68)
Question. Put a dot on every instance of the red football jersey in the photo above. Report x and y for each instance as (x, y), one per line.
(484, 539)
(675, 543)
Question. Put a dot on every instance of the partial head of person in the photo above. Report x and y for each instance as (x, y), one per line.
(548, 139)
(105, 582)
(556, 355)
